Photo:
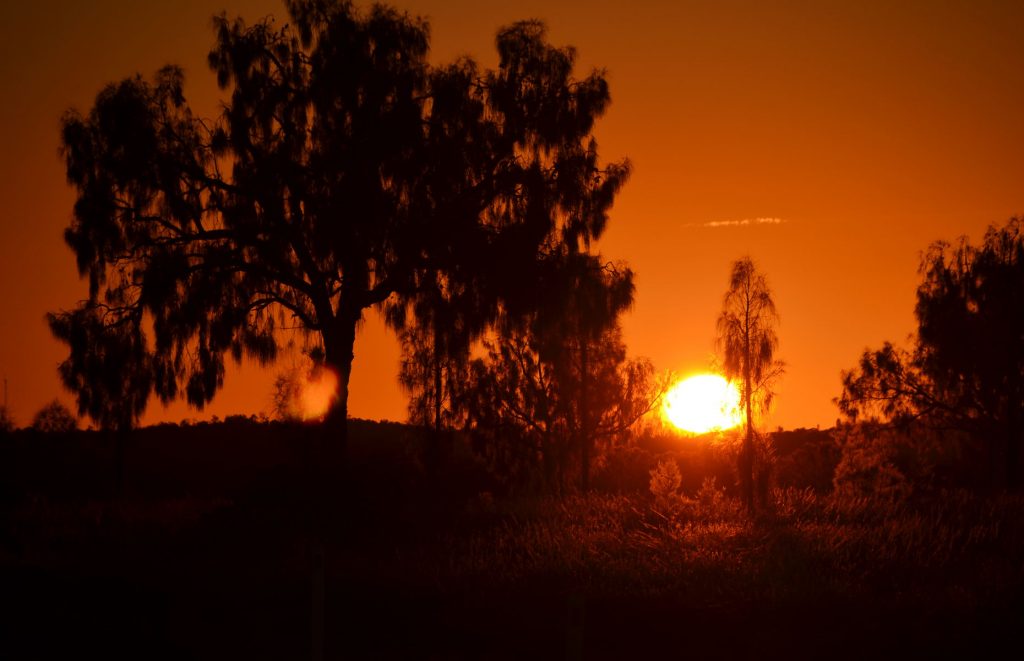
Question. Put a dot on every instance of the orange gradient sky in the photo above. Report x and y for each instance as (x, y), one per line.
(869, 129)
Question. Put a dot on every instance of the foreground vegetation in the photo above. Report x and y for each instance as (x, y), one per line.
(212, 560)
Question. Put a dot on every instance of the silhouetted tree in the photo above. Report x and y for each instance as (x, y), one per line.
(286, 394)
(434, 374)
(437, 328)
(343, 170)
(512, 408)
(560, 359)
(586, 319)
(747, 341)
(54, 417)
(525, 408)
(965, 370)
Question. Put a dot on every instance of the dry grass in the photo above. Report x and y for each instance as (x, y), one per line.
(206, 560)
(957, 548)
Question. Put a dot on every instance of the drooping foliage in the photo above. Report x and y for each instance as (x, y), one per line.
(344, 172)
(434, 373)
(965, 368)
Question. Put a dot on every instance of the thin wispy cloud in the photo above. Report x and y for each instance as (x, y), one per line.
(740, 223)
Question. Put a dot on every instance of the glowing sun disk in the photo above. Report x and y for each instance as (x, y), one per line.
(703, 403)
(318, 393)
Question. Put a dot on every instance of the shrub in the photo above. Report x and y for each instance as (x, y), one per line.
(665, 481)
(889, 461)
(710, 495)
(54, 418)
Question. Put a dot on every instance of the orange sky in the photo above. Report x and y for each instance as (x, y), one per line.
(869, 128)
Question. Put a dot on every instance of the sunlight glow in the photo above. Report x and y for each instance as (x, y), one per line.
(318, 393)
(703, 403)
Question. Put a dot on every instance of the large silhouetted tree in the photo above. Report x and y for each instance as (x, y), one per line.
(345, 171)
(965, 370)
(747, 341)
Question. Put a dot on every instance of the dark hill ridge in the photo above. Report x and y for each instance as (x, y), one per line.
(232, 456)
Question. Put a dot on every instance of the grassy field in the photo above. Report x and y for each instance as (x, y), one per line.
(208, 555)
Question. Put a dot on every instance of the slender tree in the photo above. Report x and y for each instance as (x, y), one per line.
(344, 172)
(525, 410)
(6, 421)
(747, 341)
(437, 328)
(555, 389)
(595, 296)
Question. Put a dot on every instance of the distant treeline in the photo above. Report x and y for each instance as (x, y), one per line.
(241, 454)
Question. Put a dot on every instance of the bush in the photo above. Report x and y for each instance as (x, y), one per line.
(710, 496)
(665, 481)
(892, 461)
(623, 469)
(54, 418)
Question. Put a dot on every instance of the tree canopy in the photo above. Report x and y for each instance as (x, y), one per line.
(965, 368)
(344, 171)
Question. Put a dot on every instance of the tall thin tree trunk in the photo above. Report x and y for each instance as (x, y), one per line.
(1012, 452)
(120, 434)
(435, 450)
(586, 436)
(437, 391)
(747, 452)
(747, 455)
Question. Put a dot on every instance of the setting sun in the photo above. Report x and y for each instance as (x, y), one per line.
(318, 393)
(703, 403)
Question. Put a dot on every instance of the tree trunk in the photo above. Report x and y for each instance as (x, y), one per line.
(434, 451)
(1012, 451)
(437, 384)
(586, 436)
(747, 451)
(120, 441)
(328, 471)
(332, 450)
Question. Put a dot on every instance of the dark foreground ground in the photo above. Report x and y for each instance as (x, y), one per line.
(208, 555)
